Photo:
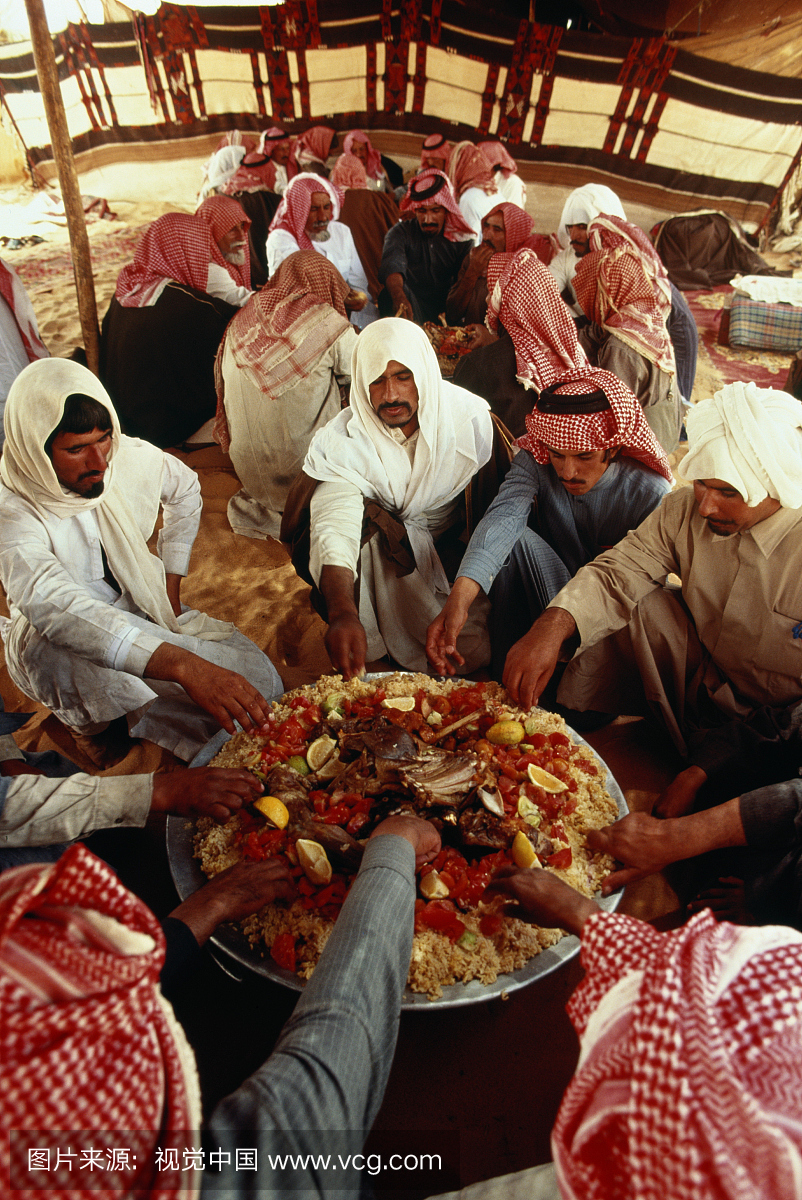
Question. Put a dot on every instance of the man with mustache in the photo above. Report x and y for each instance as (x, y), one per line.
(308, 218)
(387, 511)
(422, 256)
(717, 662)
(97, 629)
(589, 465)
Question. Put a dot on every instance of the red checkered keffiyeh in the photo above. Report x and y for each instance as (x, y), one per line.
(17, 299)
(221, 214)
(293, 212)
(690, 1080)
(468, 167)
(524, 299)
(519, 230)
(623, 286)
(431, 186)
(279, 335)
(374, 167)
(349, 172)
(257, 171)
(498, 155)
(314, 146)
(87, 1041)
(435, 146)
(180, 247)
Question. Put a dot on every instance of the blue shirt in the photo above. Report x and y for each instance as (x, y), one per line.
(577, 528)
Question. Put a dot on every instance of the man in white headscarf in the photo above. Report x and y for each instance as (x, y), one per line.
(400, 456)
(97, 629)
(719, 662)
(583, 204)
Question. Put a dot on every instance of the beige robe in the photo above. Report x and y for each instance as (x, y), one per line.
(729, 638)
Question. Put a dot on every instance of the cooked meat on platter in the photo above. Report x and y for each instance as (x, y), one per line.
(502, 786)
(450, 344)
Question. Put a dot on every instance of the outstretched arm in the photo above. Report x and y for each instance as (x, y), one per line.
(442, 634)
(531, 661)
(225, 695)
(644, 844)
(345, 638)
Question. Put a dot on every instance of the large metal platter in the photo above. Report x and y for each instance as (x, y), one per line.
(232, 945)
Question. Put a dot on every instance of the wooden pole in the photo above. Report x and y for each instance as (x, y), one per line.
(45, 60)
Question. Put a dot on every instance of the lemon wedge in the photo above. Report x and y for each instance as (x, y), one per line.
(545, 780)
(529, 811)
(320, 752)
(432, 886)
(523, 852)
(401, 703)
(505, 733)
(274, 809)
(331, 768)
(312, 858)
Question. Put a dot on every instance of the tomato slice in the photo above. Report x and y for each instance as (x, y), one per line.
(561, 860)
(283, 951)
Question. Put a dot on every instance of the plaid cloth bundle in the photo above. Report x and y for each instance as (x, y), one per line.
(761, 326)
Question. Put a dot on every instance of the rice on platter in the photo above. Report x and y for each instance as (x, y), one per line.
(503, 786)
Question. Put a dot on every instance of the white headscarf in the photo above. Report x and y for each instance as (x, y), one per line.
(455, 438)
(222, 166)
(34, 408)
(751, 438)
(586, 202)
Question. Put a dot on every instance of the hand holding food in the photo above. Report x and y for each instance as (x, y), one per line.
(356, 300)
(542, 898)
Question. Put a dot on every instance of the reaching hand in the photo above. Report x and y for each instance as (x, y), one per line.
(347, 646)
(640, 842)
(235, 893)
(204, 792)
(225, 694)
(441, 642)
(422, 835)
(542, 898)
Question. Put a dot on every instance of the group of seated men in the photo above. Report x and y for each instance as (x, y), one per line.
(577, 607)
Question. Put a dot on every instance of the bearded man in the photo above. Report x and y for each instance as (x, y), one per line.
(308, 218)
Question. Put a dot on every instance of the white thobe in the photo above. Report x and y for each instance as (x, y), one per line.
(341, 252)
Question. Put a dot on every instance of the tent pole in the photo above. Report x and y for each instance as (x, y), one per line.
(45, 60)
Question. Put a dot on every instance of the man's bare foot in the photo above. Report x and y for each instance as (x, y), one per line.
(678, 798)
(727, 901)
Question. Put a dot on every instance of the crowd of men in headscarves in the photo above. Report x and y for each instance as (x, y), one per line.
(429, 545)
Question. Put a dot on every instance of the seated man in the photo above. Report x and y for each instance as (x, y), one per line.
(422, 257)
(20, 343)
(312, 148)
(383, 174)
(400, 456)
(624, 290)
(308, 218)
(528, 335)
(582, 206)
(722, 653)
(505, 171)
(283, 358)
(164, 323)
(592, 469)
(435, 152)
(505, 229)
(257, 181)
(97, 628)
(474, 185)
